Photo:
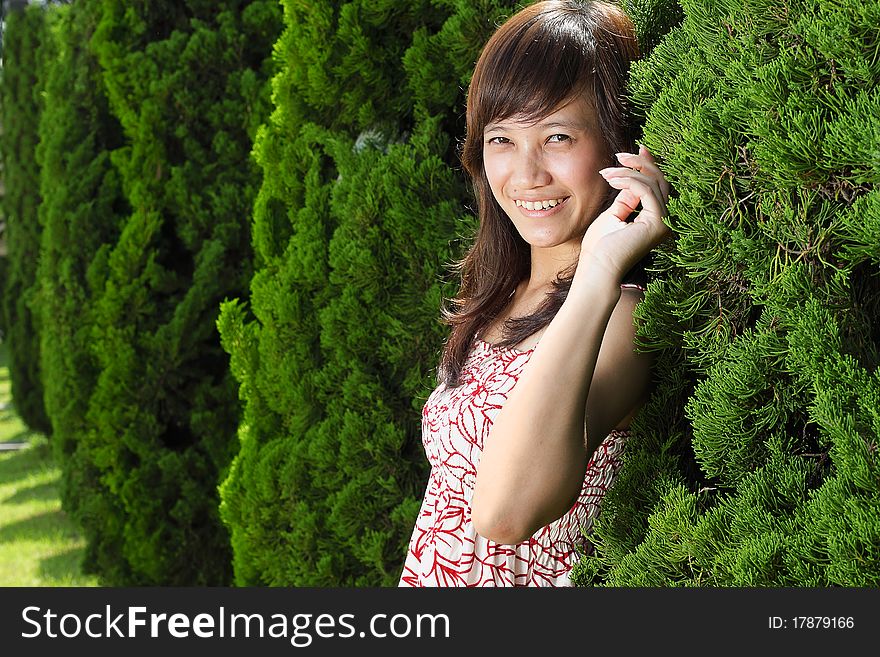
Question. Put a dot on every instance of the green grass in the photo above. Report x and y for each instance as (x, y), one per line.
(39, 544)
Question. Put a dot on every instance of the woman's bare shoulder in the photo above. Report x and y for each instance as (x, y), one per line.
(622, 374)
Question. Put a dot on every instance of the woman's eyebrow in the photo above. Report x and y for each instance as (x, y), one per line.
(570, 125)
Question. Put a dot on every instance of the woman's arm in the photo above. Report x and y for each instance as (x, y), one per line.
(583, 377)
(619, 370)
(534, 458)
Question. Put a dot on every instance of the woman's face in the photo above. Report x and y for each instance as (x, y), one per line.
(545, 174)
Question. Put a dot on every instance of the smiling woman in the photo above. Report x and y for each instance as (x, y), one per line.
(539, 377)
(548, 181)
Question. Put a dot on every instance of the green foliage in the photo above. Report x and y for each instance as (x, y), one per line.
(358, 216)
(764, 309)
(22, 84)
(652, 19)
(82, 204)
(187, 83)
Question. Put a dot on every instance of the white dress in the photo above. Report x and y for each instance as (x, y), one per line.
(445, 550)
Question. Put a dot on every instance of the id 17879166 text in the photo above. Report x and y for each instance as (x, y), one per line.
(811, 623)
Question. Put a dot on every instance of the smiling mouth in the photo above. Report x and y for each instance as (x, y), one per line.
(546, 204)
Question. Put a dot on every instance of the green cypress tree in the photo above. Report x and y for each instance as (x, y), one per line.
(82, 205)
(359, 214)
(21, 106)
(187, 82)
(756, 461)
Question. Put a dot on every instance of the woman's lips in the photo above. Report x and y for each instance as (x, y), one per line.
(543, 212)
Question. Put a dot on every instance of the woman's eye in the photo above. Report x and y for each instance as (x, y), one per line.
(498, 140)
(558, 138)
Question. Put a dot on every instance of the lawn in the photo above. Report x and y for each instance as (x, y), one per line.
(39, 544)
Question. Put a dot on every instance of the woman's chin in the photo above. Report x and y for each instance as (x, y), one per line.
(545, 240)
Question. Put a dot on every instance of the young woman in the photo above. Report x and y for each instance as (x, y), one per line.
(539, 377)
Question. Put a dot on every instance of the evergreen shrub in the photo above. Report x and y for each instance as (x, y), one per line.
(362, 208)
(80, 215)
(21, 100)
(756, 462)
(187, 82)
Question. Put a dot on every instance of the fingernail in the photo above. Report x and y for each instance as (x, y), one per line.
(619, 155)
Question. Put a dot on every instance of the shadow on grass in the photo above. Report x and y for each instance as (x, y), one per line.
(22, 436)
(38, 527)
(8, 412)
(64, 569)
(45, 492)
(23, 463)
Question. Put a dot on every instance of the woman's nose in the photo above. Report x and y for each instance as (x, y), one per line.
(529, 171)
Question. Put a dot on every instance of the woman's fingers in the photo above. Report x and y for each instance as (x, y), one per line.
(638, 181)
(624, 204)
(634, 190)
(644, 163)
(651, 163)
(646, 193)
(648, 169)
(641, 159)
(648, 181)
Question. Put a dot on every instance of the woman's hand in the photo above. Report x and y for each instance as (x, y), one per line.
(612, 243)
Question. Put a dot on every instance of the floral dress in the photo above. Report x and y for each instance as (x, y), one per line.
(445, 550)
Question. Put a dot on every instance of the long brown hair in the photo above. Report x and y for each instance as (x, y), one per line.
(544, 55)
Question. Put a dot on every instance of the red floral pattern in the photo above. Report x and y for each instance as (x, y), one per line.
(445, 550)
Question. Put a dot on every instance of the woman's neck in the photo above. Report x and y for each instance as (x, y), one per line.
(548, 264)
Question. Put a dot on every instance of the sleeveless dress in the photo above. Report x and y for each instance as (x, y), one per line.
(445, 550)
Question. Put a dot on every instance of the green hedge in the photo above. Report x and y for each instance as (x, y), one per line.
(145, 152)
(756, 462)
(360, 211)
(82, 205)
(186, 81)
(20, 106)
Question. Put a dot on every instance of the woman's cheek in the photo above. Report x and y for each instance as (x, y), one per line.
(492, 167)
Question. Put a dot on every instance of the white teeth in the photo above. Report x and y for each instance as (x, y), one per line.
(538, 205)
